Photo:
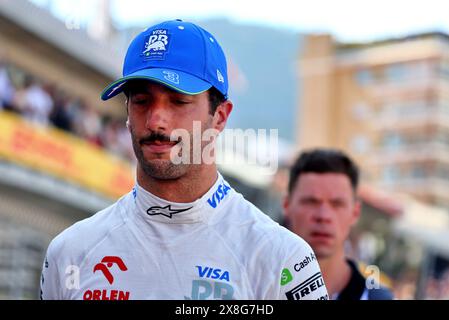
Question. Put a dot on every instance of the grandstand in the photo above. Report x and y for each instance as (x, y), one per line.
(53, 171)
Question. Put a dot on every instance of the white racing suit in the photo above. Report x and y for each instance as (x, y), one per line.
(143, 247)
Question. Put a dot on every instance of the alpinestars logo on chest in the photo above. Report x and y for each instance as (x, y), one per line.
(166, 211)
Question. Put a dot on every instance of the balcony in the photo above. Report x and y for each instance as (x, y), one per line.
(432, 187)
(434, 151)
(406, 87)
(403, 118)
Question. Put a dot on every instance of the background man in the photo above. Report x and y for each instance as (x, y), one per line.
(321, 206)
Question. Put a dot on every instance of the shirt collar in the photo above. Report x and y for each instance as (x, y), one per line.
(153, 208)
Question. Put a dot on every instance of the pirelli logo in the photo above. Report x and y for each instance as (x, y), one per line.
(307, 287)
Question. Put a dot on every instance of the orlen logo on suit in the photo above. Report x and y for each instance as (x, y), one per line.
(219, 194)
(104, 266)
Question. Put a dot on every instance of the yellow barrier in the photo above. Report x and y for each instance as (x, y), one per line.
(60, 154)
(384, 279)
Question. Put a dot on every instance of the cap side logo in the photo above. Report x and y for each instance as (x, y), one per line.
(220, 76)
(171, 76)
(156, 44)
(116, 88)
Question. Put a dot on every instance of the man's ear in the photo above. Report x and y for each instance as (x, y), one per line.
(222, 114)
(356, 211)
(285, 204)
(285, 213)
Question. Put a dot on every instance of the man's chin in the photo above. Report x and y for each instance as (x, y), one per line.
(159, 163)
(149, 154)
(163, 169)
(158, 158)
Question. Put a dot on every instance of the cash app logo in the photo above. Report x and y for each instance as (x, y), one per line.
(286, 277)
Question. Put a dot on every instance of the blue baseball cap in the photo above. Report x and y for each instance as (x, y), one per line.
(178, 54)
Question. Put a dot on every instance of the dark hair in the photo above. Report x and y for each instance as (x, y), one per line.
(215, 96)
(215, 99)
(323, 161)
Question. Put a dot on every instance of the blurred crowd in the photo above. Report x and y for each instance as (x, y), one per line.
(46, 105)
(435, 287)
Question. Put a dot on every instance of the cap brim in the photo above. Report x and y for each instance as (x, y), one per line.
(174, 79)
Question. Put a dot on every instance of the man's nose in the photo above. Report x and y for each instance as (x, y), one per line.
(158, 115)
(323, 213)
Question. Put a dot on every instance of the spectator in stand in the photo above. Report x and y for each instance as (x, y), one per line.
(88, 124)
(21, 93)
(6, 89)
(125, 143)
(19, 97)
(61, 116)
(117, 139)
(38, 103)
(109, 135)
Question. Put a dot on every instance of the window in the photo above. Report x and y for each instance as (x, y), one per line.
(392, 140)
(364, 77)
(396, 72)
(418, 172)
(390, 174)
(361, 111)
(444, 69)
(360, 144)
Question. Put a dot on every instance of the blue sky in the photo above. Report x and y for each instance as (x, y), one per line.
(348, 20)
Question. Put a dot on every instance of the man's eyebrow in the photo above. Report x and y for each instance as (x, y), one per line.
(339, 199)
(145, 90)
(140, 90)
(308, 197)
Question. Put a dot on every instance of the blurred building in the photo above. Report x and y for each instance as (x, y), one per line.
(58, 52)
(44, 185)
(386, 103)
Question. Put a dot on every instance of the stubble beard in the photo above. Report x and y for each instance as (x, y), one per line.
(165, 169)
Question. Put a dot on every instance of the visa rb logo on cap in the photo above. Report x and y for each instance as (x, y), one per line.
(156, 44)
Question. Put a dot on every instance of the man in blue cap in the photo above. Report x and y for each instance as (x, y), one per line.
(183, 232)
